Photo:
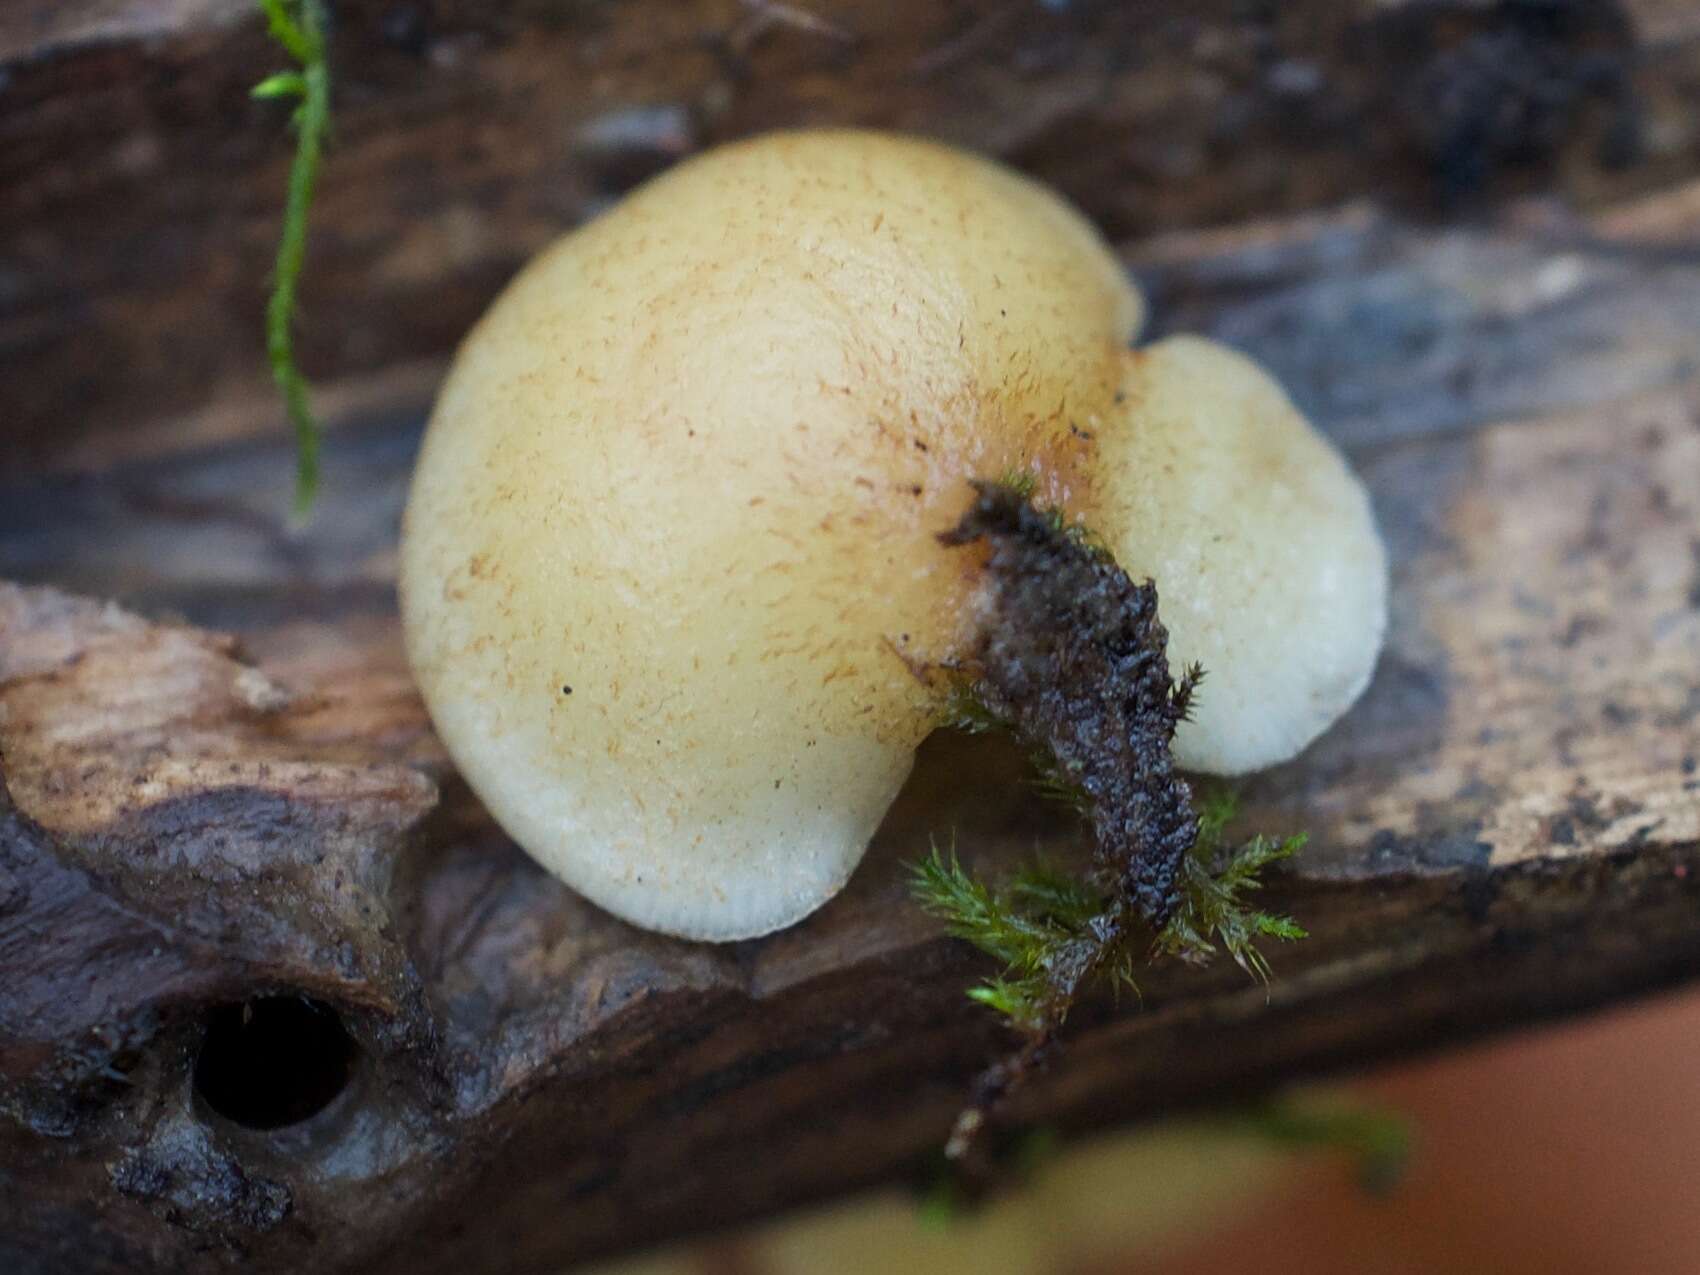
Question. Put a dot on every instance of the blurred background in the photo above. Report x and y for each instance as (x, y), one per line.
(1563, 1151)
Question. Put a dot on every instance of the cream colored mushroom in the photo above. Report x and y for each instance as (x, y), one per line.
(1269, 570)
(669, 562)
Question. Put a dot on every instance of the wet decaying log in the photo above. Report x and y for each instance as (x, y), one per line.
(278, 995)
(140, 187)
(275, 994)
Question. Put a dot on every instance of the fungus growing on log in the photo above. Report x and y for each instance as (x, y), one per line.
(699, 461)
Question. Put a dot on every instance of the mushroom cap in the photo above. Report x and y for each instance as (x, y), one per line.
(691, 465)
(1269, 569)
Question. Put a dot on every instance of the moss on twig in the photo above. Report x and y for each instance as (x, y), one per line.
(1074, 663)
(1033, 922)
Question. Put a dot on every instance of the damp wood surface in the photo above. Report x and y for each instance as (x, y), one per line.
(219, 784)
(140, 186)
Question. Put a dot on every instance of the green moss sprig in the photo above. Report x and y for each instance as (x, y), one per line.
(1030, 926)
(1216, 882)
(1037, 920)
(298, 27)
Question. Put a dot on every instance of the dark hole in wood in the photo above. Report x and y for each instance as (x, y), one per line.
(274, 1061)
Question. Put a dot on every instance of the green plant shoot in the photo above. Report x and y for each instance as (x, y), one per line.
(298, 26)
(1033, 923)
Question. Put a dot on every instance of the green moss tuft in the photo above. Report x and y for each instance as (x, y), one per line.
(1216, 880)
(1038, 922)
(1023, 482)
(298, 27)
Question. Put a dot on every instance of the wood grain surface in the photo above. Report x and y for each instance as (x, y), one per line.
(140, 187)
(219, 784)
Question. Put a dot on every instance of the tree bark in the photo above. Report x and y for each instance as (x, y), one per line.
(141, 188)
(239, 802)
